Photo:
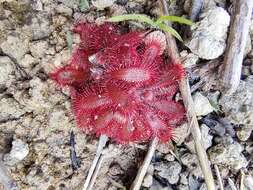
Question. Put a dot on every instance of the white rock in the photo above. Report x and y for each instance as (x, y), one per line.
(147, 181)
(6, 69)
(10, 109)
(210, 33)
(102, 4)
(38, 48)
(15, 47)
(18, 152)
(201, 104)
(39, 96)
(28, 61)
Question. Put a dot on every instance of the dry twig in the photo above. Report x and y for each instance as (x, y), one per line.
(239, 30)
(144, 167)
(95, 164)
(242, 180)
(219, 177)
(95, 173)
(188, 102)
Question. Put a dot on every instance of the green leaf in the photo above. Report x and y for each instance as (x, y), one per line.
(170, 30)
(69, 41)
(171, 18)
(84, 5)
(136, 17)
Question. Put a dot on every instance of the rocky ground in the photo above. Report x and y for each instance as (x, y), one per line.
(36, 120)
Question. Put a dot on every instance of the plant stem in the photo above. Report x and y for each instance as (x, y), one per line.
(242, 180)
(144, 167)
(219, 177)
(94, 176)
(101, 144)
(189, 105)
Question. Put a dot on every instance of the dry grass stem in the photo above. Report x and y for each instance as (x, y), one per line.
(191, 116)
(94, 166)
(136, 185)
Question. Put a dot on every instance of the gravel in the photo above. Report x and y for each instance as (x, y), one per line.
(36, 119)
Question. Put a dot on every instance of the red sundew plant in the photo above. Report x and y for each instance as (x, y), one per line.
(121, 86)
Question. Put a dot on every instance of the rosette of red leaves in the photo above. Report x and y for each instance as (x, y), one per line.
(120, 84)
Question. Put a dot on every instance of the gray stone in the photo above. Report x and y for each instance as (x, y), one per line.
(238, 108)
(188, 59)
(18, 152)
(246, 70)
(169, 171)
(38, 48)
(40, 26)
(229, 155)
(6, 69)
(157, 186)
(206, 139)
(117, 10)
(74, 4)
(15, 46)
(202, 105)
(37, 5)
(210, 33)
(62, 9)
(192, 163)
(10, 109)
(28, 61)
(213, 3)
